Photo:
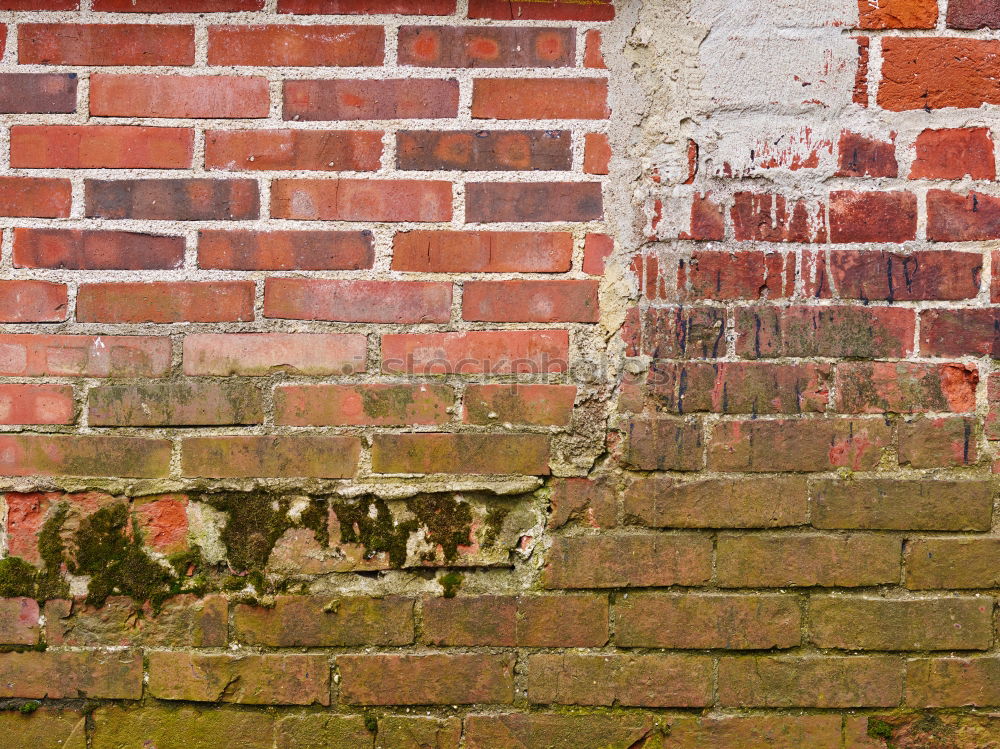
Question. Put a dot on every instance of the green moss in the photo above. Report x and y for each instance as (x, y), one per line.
(50, 583)
(29, 707)
(450, 583)
(879, 729)
(17, 578)
(447, 520)
(494, 523)
(377, 531)
(371, 723)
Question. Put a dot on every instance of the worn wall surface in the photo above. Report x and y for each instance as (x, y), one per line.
(488, 373)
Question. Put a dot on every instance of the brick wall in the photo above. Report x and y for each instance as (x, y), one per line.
(353, 395)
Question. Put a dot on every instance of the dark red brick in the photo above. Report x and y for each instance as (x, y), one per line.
(484, 150)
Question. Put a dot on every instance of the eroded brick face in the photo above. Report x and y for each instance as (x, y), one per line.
(476, 373)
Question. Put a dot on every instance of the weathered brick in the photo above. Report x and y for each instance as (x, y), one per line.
(182, 727)
(261, 354)
(34, 355)
(637, 560)
(484, 150)
(476, 352)
(973, 14)
(60, 727)
(563, 730)
(320, 729)
(217, 96)
(898, 14)
(872, 216)
(519, 404)
(315, 456)
(361, 200)
(482, 252)
(953, 562)
(90, 249)
(900, 624)
(765, 217)
(938, 72)
(36, 404)
(162, 522)
(382, 99)
(810, 681)
(952, 682)
(41, 197)
(244, 679)
(404, 7)
(547, 10)
(105, 44)
(659, 680)
(33, 301)
(37, 93)
(764, 731)
(486, 47)
(905, 387)
(184, 199)
(879, 275)
(19, 621)
(288, 44)
(953, 154)
(94, 674)
(461, 453)
(860, 156)
(664, 445)
(735, 622)
(593, 57)
(178, 403)
(166, 302)
(83, 455)
(730, 275)
(934, 443)
(596, 153)
(540, 99)
(903, 504)
(318, 150)
(954, 217)
(418, 732)
(357, 301)
(683, 333)
(592, 501)
(717, 503)
(470, 621)
(311, 621)
(452, 679)
(530, 301)
(856, 332)
(808, 560)
(379, 404)
(597, 248)
(285, 250)
(507, 202)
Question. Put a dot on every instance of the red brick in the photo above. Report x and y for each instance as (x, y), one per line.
(484, 150)
(105, 44)
(717, 503)
(953, 217)
(810, 681)
(34, 355)
(433, 679)
(39, 4)
(36, 93)
(540, 99)
(218, 96)
(247, 679)
(85, 249)
(319, 150)
(174, 404)
(290, 45)
(953, 154)
(952, 682)
(973, 14)
(596, 154)
(403, 7)
(856, 332)
(166, 301)
(541, 405)
(637, 560)
(535, 730)
(936, 72)
(735, 275)
(357, 301)
(32, 301)
(261, 354)
(773, 731)
(530, 301)
(461, 453)
(285, 250)
(593, 502)
(860, 156)
(361, 200)
(93, 674)
(18, 621)
(379, 404)
(905, 387)
(36, 404)
(83, 455)
(902, 504)
(960, 332)
(764, 217)
(798, 445)
(163, 524)
(546, 10)
(597, 248)
(661, 444)
(311, 621)
(176, 6)
(898, 14)
(652, 680)
(381, 99)
(872, 216)
(184, 199)
(900, 624)
(532, 201)
(592, 55)
(707, 219)
(937, 443)
(476, 352)
(312, 456)
(34, 197)
(470, 621)
(952, 562)
(486, 47)
(561, 621)
(482, 252)
(871, 275)
(683, 333)
(97, 146)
